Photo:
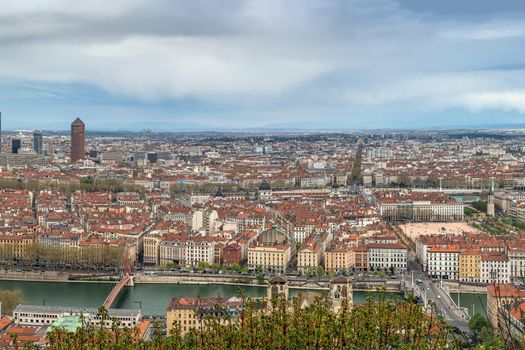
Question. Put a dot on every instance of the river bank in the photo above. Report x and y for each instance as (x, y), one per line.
(50, 276)
(151, 298)
(215, 279)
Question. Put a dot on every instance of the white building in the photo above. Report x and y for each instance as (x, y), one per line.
(516, 257)
(35, 315)
(443, 262)
(495, 268)
(385, 256)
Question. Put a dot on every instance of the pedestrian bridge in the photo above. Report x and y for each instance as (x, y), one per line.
(127, 279)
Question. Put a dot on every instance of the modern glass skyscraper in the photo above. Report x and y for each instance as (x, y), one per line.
(38, 142)
(16, 144)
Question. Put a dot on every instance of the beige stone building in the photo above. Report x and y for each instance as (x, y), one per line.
(339, 259)
(152, 248)
(308, 257)
(185, 314)
(274, 258)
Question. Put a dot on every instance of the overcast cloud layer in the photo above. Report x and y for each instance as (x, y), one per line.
(249, 63)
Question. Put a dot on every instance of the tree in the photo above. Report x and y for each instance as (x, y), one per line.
(203, 265)
(319, 271)
(477, 322)
(483, 331)
(10, 299)
(382, 324)
(87, 180)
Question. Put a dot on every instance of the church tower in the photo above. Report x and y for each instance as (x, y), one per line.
(340, 289)
(265, 191)
(277, 288)
(490, 204)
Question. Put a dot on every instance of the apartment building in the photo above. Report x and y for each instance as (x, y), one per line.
(495, 268)
(151, 243)
(443, 262)
(361, 258)
(387, 256)
(516, 255)
(339, 258)
(499, 297)
(16, 246)
(418, 206)
(469, 265)
(184, 314)
(309, 256)
(187, 251)
(272, 258)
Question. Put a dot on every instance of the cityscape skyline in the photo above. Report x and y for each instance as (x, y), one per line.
(256, 64)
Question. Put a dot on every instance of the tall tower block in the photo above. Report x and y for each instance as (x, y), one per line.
(78, 140)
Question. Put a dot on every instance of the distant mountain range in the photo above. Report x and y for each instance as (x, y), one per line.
(12, 125)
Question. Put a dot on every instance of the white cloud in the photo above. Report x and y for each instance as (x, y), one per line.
(503, 100)
(367, 53)
(501, 29)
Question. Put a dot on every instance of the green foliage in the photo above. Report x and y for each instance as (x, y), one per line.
(174, 266)
(382, 324)
(518, 224)
(110, 257)
(10, 299)
(477, 323)
(203, 265)
(260, 278)
(319, 271)
(483, 331)
(87, 180)
(468, 211)
(480, 205)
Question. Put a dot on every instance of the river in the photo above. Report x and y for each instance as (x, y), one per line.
(466, 198)
(152, 298)
(476, 302)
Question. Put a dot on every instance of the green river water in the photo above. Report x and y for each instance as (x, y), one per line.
(153, 298)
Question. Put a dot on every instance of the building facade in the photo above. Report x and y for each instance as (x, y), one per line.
(38, 142)
(78, 140)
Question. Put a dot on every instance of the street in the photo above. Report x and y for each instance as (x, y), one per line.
(432, 292)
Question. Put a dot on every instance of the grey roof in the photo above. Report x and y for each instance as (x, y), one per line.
(74, 310)
(339, 279)
(278, 279)
(264, 186)
(77, 121)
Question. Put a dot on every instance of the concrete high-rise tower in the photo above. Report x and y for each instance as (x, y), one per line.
(78, 140)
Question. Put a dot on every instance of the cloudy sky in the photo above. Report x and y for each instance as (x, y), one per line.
(171, 64)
